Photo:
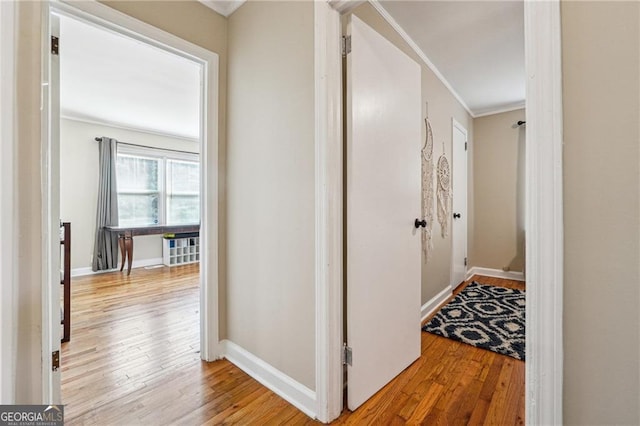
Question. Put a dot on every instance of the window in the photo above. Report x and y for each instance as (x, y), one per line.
(157, 187)
(183, 192)
(138, 190)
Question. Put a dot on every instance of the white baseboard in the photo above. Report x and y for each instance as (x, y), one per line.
(431, 305)
(495, 273)
(78, 272)
(289, 389)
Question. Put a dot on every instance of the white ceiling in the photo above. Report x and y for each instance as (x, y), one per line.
(477, 47)
(108, 78)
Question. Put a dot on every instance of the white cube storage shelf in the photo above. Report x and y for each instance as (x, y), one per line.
(180, 251)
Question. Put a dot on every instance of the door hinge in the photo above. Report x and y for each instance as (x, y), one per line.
(347, 355)
(346, 45)
(55, 43)
(55, 360)
(465, 146)
(465, 261)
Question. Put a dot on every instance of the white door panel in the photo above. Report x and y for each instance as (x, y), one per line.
(383, 200)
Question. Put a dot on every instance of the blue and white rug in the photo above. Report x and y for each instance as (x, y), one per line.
(484, 316)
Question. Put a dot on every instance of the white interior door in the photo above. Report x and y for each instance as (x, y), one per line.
(383, 201)
(459, 220)
(51, 202)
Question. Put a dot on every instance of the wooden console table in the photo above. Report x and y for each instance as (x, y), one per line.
(126, 234)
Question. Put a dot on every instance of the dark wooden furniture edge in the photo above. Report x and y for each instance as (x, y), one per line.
(153, 230)
(66, 282)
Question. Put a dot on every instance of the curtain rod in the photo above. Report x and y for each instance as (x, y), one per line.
(98, 139)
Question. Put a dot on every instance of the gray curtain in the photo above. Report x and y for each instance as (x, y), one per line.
(105, 250)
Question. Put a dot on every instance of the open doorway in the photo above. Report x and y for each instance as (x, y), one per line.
(154, 98)
(134, 295)
(452, 107)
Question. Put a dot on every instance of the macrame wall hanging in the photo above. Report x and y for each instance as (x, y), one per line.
(427, 189)
(444, 183)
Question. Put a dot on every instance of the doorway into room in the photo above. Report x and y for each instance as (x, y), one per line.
(152, 97)
(130, 123)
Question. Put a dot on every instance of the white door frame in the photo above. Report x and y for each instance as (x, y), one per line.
(329, 211)
(103, 16)
(50, 219)
(543, 207)
(544, 215)
(8, 286)
(455, 124)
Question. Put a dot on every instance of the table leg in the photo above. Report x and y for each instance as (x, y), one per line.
(122, 250)
(128, 247)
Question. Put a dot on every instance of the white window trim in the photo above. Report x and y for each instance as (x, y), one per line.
(157, 152)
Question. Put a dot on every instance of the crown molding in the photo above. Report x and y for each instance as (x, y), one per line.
(499, 110)
(387, 17)
(100, 122)
(223, 7)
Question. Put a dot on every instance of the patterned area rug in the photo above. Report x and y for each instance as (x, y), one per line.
(484, 316)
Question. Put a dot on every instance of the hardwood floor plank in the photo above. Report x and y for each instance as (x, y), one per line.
(479, 413)
(497, 406)
(510, 412)
(427, 402)
(460, 409)
(491, 380)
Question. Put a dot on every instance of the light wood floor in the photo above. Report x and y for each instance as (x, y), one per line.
(133, 359)
(451, 384)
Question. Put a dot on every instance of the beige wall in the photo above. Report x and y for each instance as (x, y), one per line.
(79, 184)
(28, 246)
(271, 203)
(436, 274)
(601, 97)
(499, 234)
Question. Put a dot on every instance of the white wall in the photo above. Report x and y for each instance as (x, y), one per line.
(271, 203)
(79, 185)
